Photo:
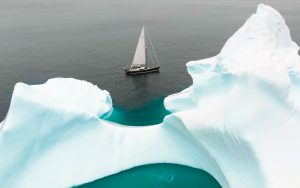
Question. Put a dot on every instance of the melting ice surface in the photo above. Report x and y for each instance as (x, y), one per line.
(239, 121)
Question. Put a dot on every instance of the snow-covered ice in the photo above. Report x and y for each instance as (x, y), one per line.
(239, 121)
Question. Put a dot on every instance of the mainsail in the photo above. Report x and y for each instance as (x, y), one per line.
(140, 53)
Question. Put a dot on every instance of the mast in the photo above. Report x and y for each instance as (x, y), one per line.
(140, 52)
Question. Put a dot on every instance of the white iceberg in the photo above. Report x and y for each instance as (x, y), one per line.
(54, 139)
(239, 121)
(245, 108)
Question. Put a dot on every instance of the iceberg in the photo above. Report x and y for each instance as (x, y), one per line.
(46, 131)
(239, 121)
(243, 106)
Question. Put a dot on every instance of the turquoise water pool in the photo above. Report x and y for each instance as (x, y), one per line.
(150, 114)
(157, 176)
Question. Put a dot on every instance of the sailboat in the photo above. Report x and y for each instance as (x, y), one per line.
(140, 64)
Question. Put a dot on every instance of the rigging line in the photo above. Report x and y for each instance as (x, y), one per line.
(152, 61)
(152, 48)
(149, 52)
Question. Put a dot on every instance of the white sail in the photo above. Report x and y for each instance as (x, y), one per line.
(140, 54)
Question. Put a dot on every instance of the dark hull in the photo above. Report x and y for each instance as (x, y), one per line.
(144, 71)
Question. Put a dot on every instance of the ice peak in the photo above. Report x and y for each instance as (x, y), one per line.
(263, 9)
(270, 19)
(262, 46)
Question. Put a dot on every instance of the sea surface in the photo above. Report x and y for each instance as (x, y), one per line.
(93, 39)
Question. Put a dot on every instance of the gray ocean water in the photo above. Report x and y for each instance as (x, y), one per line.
(93, 39)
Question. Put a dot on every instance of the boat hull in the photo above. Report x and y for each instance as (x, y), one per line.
(144, 71)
